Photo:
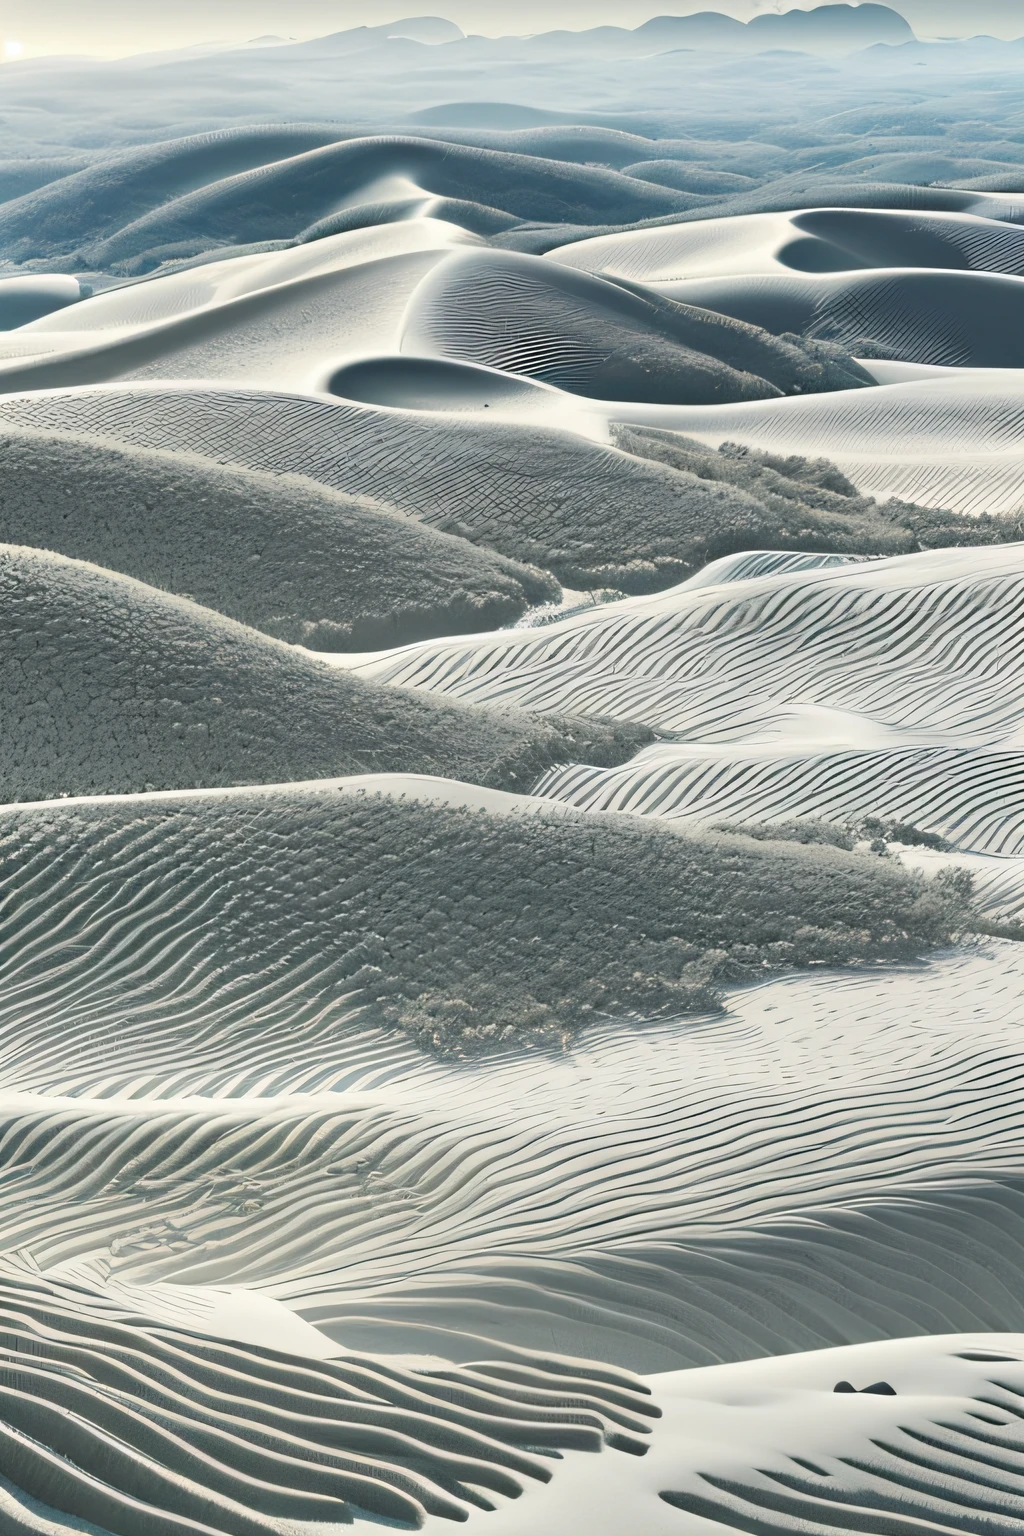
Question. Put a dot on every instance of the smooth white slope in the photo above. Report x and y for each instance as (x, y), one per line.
(769, 1446)
(776, 243)
(280, 318)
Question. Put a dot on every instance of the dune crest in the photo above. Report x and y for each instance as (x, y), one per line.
(512, 774)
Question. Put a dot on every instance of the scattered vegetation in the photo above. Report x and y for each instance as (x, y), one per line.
(811, 829)
(466, 928)
(775, 502)
(608, 913)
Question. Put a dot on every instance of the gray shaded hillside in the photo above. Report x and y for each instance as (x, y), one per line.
(293, 189)
(547, 497)
(110, 686)
(792, 502)
(610, 339)
(470, 928)
(312, 566)
(953, 319)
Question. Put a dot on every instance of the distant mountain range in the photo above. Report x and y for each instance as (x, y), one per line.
(828, 29)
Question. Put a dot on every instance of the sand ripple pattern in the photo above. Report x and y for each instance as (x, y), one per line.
(155, 1431)
(835, 1158)
(872, 688)
(956, 443)
(974, 799)
(446, 472)
(920, 644)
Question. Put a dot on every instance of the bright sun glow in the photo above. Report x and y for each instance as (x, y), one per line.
(12, 50)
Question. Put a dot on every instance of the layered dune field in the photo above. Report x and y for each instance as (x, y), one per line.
(512, 783)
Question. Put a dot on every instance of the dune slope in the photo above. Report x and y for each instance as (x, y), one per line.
(609, 340)
(290, 907)
(328, 570)
(113, 686)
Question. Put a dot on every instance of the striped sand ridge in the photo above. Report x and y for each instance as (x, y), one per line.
(877, 689)
(812, 240)
(942, 442)
(180, 1432)
(151, 1428)
(951, 442)
(590, 1198)
(607, 1121)
(920, 646)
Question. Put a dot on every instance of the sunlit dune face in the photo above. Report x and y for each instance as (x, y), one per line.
(12, 49)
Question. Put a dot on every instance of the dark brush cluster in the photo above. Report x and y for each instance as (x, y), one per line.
(597, 914)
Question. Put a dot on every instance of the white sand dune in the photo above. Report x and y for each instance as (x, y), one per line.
(142, 1424)
(277, 318)
(415, 1108)
(24, 299)
(950, 441)
(812, 240)
(912, 314)
(157, 1429)
(597, 338)
(834, 1160)
(182, 1428)
(881, 688)
(921, 646)
(943, 442)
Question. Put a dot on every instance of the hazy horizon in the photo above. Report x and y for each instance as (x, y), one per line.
(34, 28)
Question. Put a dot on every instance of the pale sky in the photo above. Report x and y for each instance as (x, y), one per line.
(117, 27)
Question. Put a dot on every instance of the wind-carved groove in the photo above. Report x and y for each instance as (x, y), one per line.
(155, 1431)
(909, 1480)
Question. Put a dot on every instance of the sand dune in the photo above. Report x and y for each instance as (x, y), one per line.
(243, 1439)
(950, 441)
(973, 797)
(276, 317)
(154, 1428)
(869, 689)
(249, 975)
(512, 825)
(920, 645)
(954, 319)
(114, 686)
(836, 1158)
(286, 557)
(604, 339)
(23, 299)
(817, 240)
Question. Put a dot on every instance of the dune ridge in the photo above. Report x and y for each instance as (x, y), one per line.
(511, 813)
(113, 685)
(301, 564)
(436, 950)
